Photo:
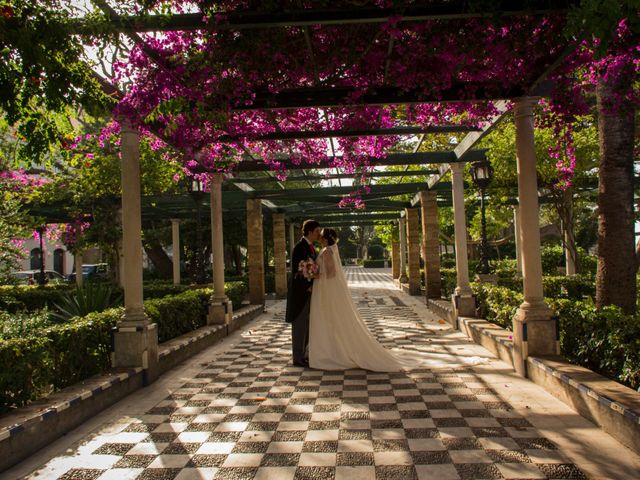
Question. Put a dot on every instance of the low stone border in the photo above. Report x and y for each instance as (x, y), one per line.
(443, 308)
(492, 337)
(610, 405)
(30, 428)
(606, 403)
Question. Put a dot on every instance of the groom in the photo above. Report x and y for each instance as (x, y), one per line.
(299, 297)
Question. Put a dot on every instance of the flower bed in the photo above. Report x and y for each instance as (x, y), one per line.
(61, 355)
(606, 340)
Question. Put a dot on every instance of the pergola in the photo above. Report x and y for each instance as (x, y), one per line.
(135, 339)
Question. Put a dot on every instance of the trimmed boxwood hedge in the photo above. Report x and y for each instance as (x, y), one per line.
(61, 355)
(604, 340)
(373, 263)
(31, 297)
(14, 298)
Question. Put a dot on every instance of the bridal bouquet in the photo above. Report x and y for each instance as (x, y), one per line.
(308, 268)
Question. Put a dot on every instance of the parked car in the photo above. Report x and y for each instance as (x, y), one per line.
(30, 277)
(94, 271)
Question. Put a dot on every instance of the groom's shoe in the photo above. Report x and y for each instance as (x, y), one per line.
(303, 363)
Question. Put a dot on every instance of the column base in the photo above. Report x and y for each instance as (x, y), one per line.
(403, 279)
(136, 345)
(464, 305)
(415, 288)
(220, 311)
(535, 332)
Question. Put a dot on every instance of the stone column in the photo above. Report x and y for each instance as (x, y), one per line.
(534, 330)
(255, 251)
(175, 248)
(135, 337)
(403, 251)
(516, 235)
(463, 299)
(280, 254)
(413, 241)
(395, 260)
(570, 253)
(292, 238)
(77, 258)
(220, 308)
(431, 244)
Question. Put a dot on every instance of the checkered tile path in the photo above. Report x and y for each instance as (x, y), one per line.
(249, 414)
(359, 277)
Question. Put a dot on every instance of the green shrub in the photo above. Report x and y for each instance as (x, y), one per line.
(575, 286)
(373, 263)
(448, 260)
(270, 282)
(27, 379)
(375, 252)
(82, 347)
(552, 258)
(236, 292)
(606, 340)
(92, 297)
(50, 357)
(496, 304)
(162, 288)
(14, 298)
(449, 281)
(178, 314)
(23, 324)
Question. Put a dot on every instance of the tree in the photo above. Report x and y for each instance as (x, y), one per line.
(42, 72)
(617, 262)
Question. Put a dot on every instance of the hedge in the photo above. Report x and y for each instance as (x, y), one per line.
(61, 355)
(373, 263)
(31, 298)
(606, 340)
(14, 298)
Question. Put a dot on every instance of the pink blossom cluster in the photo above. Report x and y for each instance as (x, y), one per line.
(197, 87)
(19, 180)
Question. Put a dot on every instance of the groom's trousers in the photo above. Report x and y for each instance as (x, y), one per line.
(300, 334)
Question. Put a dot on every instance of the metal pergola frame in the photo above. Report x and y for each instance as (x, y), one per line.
(318, 199)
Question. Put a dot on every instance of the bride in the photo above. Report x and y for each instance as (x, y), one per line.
(339, 338)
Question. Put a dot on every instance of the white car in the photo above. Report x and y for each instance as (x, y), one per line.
(30, 277)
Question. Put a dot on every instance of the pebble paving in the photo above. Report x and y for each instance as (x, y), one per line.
(249, 414)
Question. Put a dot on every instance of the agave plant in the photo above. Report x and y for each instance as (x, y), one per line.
(92, 297)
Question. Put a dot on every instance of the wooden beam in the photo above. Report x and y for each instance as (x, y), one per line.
(420, 158)
(376, 174)
(371, 132)
(326, 97)
(243, 20)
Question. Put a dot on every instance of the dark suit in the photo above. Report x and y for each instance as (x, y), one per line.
(299, 302)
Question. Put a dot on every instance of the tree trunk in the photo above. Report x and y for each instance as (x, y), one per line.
(237, 259)
(159, 258)
(616, 276)
(565, 211)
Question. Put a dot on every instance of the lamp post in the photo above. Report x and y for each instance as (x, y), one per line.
(197, 192)
(41, 278)
(481, 174)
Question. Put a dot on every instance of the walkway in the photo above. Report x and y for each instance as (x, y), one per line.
(240, 410)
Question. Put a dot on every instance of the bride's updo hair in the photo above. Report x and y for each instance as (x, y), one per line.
(330, 235)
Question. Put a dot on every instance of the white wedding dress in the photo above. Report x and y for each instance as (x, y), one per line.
(339, 339)
(338, 336)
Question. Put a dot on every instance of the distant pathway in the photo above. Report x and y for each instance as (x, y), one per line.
(240, 410)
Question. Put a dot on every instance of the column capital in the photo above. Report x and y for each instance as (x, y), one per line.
(216, 177)
(457, 168)
(175, 220)
(523, 106)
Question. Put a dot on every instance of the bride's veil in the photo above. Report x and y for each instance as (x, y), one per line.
(338, 264)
